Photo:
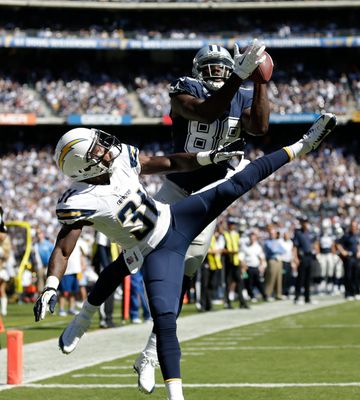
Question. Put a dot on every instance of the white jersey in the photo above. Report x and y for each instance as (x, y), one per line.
(121, 210)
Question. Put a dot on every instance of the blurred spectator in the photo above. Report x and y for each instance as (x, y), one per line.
(212, 266)
(254, 260)
(304, 258)
(102, 258)
(5, 253)
(330, 263)
(29, 284)
(287, 263)
(42, 250)
(233, 268)
(274, 251)
(138, 299)
(349, 247)
(69, 284)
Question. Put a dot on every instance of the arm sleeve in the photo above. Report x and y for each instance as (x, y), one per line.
(76, 208)
(246, 97)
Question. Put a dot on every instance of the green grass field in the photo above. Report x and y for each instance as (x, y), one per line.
(319, 348)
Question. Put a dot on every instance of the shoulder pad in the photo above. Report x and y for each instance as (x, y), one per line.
(185, 85)
(133, 155)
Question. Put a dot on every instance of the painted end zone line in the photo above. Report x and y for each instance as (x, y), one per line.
(190, 385)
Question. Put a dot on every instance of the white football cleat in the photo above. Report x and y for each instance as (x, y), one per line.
(318, 132)
(145, 366)
(71, 335)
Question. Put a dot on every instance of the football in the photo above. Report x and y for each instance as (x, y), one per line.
(263, 72)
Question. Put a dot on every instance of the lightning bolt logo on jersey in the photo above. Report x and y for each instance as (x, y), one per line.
(121, 210)
(195, 136)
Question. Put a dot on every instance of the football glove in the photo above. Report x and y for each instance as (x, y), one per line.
(223, 154)
(247, 62)
(45, 302)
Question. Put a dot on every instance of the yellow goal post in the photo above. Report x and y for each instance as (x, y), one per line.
(26, 255)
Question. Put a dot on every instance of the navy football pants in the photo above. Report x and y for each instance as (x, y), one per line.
(164, 266)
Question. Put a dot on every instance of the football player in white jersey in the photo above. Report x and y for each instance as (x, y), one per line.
(208, 109)
(107, 194)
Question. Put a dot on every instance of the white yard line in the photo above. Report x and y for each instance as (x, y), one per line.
(44, 360)
(192, 385)
(252, 348)
(103, 375)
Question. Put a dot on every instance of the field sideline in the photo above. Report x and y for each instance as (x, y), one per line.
(43, 360)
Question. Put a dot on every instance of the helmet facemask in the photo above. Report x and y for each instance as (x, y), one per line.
(214, 75)
(102, 144)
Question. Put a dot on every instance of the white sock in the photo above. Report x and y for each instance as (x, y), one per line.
(151, 345)
(4, 302)
(88, 309)
(299, 148)
(174, 389)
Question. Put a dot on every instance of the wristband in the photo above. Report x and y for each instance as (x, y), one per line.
(52, 282)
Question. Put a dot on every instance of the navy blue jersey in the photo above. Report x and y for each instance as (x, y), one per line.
(350, 242)
(195, 136)
(303, 241)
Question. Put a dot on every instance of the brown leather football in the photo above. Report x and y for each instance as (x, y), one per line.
(263, 72)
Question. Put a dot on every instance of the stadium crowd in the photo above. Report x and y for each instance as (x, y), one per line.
(330, 198)
(183, 30)
(83, 97)
(20, 97)
(107, 95)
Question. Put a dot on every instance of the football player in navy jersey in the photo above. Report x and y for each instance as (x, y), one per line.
(107, 194)
(208, 110)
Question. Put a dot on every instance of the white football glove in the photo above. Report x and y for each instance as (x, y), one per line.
(47, 300)
(223, 154)
(246, 63)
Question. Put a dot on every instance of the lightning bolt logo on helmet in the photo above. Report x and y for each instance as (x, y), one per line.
(65, 150)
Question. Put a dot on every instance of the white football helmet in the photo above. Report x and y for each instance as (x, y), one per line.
(205, 61)
(79, 153)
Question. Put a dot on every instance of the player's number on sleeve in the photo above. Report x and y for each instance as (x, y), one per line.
(134, 212)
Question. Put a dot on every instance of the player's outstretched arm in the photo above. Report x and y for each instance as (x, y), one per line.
(64, 246)
(185, 162)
